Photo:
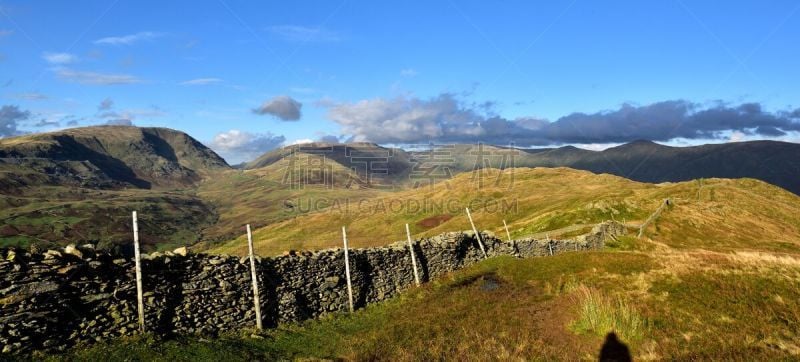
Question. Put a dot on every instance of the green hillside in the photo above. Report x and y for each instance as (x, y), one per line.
(716, 213)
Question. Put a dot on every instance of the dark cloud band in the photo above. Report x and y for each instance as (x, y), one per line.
(444, 119)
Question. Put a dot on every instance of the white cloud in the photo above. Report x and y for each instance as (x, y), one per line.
(128, 39)
(94, 78)
(59, 58)
(282, 107)
(301, 141)
(238, 146)
(303, 33)
(402, 120)
(201, 81)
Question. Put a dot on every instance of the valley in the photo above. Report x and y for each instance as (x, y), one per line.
(719, 251)
(80, 185)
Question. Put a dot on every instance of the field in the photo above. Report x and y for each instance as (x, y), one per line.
(48, 216)
(719, 214)
(716, 276)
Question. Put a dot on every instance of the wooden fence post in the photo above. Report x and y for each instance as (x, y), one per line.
(477, 235)
(413, 258)
(137, 260)
(508, 234)
(254, 277)
(347, 269)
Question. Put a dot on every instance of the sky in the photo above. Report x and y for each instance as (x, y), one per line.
(246, 77)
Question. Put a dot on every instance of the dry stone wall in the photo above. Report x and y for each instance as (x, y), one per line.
(55, 299)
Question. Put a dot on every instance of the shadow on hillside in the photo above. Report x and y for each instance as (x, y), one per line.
(613, 350)
(112, 167)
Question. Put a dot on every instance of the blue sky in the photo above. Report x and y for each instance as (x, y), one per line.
(244, 77)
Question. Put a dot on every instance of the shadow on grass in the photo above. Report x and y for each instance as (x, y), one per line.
(614, 351)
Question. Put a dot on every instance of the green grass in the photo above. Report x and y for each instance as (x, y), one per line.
(600, 314)
(628, 243)
(721, 314)
(56, 216)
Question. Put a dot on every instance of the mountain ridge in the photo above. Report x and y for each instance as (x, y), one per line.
(774, 162)
(113, 157)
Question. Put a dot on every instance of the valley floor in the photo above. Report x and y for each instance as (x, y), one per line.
(662, 302)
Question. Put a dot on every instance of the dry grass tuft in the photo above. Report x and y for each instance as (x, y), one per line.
(601, 314)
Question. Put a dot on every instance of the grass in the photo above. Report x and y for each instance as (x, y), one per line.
(600, 314)
(717, 276)
(379, 220)
(261, 198)
(744, 214)
(662, 303)
(54, 215)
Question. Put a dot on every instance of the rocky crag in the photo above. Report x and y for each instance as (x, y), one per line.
(55, 299)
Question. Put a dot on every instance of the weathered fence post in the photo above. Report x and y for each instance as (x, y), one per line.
(137, 260)
(508, 234)
(477, 235)
(347, 269)
(413, 258)
(254, 277)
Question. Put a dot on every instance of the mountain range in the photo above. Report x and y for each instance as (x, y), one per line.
(79, 185)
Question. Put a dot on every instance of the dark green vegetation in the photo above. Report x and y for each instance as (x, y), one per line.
(80, 185)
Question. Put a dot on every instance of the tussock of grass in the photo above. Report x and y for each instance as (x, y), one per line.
(601, 314)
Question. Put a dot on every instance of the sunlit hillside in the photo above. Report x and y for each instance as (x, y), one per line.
(714, 213)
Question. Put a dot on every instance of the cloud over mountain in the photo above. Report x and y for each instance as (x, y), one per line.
(444, 119)
(238, 146)
(283, 107)
(106, 104)
(10, 117)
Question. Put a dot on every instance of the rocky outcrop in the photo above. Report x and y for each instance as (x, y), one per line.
(54, 299)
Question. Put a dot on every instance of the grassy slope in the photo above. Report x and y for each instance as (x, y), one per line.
(717, 276)
(47, 216)
(688, 304)
(263, 196)
(726, 214)
(79, 185)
